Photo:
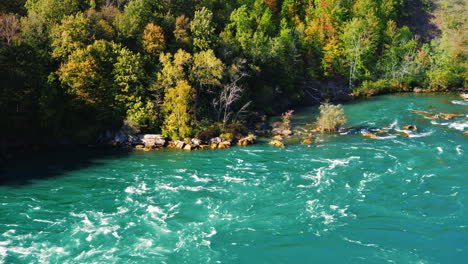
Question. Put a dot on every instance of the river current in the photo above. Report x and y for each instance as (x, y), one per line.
(346, 199)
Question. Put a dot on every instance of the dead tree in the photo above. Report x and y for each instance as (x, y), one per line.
(9, 26)
(229, 95)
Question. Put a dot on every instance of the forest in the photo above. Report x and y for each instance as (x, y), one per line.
(76, 68)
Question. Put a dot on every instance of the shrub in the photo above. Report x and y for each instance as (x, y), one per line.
(286, 117)
(331, 117)
(228, 136)
(370, 88)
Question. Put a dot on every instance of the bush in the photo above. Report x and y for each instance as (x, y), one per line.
(370, 88)
(443, 79)
(331, 117)
(228, 136)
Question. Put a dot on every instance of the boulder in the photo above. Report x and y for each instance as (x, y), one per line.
(216, 140)
(344, 129)
(214, 145)
(278, 137)
(464, 96)
(281, 131)
(308, 141)
(179, 144)
(113, 137)
(224, 145)
(139, 147)
(249, 140)
(444, 116)
(135, 140)
(171, 144)
(153, 140)
(277, 143)
(188, 147)
(204, 147)
(369, 135)
(196, 141)
(410, 127)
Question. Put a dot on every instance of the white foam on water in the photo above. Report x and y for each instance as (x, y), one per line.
(386, 137)
(360, 243)
(138, 190)
(439, 124)
(393, 125)
(197, 179)
(4, 250)
(155, 209)
(459, 150)
(233, 179)
(459, 125)
(420, 134)
(441, 150)
(460, 102)
(45, 221)
(368, 177)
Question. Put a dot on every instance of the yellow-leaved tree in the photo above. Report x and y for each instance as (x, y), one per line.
(177, 106)
(153, 39)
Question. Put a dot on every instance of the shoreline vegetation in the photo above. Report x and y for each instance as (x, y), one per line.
(331, 120)
(210, 73)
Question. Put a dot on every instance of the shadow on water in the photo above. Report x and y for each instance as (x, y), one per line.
(29, 168)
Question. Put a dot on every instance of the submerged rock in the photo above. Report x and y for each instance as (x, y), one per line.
(410, 127)
(369, 135)
(308, 141)
(277, 143)
(404, 134)
(444, 116)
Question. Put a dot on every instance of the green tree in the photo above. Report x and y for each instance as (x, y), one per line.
(206, 70)
(360, 39)
(71, 34)
(203, 29)
(54, 10)
(174, 68)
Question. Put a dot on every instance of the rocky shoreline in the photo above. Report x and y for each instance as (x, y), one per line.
(278, 134)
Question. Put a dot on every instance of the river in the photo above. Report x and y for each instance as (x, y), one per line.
(346, 199)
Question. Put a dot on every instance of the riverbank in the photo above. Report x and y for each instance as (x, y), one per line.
(272, 130)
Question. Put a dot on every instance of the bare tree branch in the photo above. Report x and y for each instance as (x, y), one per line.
(230, 94)
(9, 26)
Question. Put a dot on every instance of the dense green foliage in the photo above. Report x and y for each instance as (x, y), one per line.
(78, 68)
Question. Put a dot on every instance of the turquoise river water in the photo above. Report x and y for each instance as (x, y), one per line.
(347, 199)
